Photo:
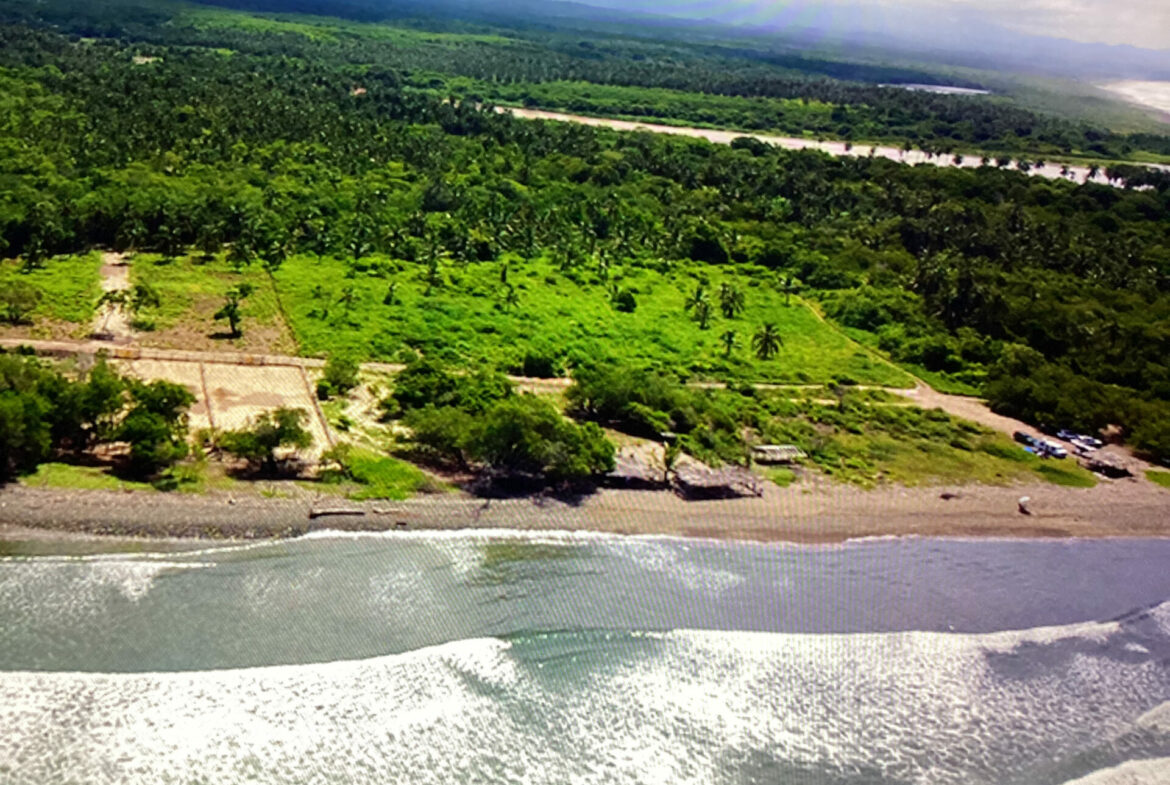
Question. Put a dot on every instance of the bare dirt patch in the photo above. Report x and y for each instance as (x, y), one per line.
(198, 331)
(46, 330)
(239, 393)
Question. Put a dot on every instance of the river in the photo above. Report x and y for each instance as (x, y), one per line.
(1050, 170)
(499, 657)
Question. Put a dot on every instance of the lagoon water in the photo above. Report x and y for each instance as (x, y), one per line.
(496, 657)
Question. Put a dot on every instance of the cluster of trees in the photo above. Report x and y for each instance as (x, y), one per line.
(45, 413)
(268, 154)
(857, 437)
(477, 421)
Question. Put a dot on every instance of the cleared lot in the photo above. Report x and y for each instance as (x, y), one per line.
(230, 396)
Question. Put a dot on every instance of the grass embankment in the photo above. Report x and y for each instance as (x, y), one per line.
(191, 290)
(368, 475)
(195, 475)
(877, 443)
(1159, 478)
(69, 288)
(568, 316)
(89, 478)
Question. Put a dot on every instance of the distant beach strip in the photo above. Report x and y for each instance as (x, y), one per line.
(1155, 95)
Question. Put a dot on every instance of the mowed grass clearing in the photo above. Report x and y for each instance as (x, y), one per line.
(466, 319)
(191, 290)
(69, 287)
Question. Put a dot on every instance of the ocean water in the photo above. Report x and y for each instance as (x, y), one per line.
(503, 658)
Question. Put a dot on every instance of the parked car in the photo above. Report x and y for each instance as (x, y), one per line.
(1080, 439)
(1054, 449)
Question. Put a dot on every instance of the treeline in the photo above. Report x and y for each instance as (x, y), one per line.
(950, 270)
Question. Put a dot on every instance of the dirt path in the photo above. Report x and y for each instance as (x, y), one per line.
(1053, 171)
(111, 323)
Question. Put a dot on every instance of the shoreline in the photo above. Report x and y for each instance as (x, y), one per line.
(800, 514)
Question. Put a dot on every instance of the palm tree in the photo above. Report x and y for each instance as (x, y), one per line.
(729, 340)
(702, 313)
(789, 286)
(730, 300)
(348, 298)
(699, 296)
(510, 299)
(1094, 170)
(767, 341)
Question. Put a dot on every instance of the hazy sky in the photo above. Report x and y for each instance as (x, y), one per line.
(1144, 23)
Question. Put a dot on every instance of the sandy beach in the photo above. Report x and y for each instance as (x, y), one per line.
(803, 513)
(1154, 95)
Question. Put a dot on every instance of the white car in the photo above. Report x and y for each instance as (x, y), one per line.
(1054, 449)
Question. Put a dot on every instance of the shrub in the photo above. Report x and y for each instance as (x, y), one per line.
(542, 363)
(18, 299)
(624, 301)
(340, 376)
(527, 435)
(426, 383)
(269, 432)
(440, 433)
(156, 425)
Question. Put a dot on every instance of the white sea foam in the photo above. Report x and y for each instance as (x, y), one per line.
(307, 723)
(64, 586)
(1156, 719)
(1153, 771)
(688, 707)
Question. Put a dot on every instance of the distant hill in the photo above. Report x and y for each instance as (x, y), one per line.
(850, 31)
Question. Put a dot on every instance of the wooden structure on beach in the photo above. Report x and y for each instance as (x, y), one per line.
(777, 453)
(696, 481)
(631, 471)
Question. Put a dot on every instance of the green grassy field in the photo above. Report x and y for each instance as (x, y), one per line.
(192, 290)
(69, 287)
(467, 321)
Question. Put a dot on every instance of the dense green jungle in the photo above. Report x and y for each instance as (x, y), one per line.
(357, 177)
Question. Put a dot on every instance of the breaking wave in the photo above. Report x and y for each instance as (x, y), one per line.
(686, 706)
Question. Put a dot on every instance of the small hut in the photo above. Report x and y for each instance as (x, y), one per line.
(632, 471)
(696, 481)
